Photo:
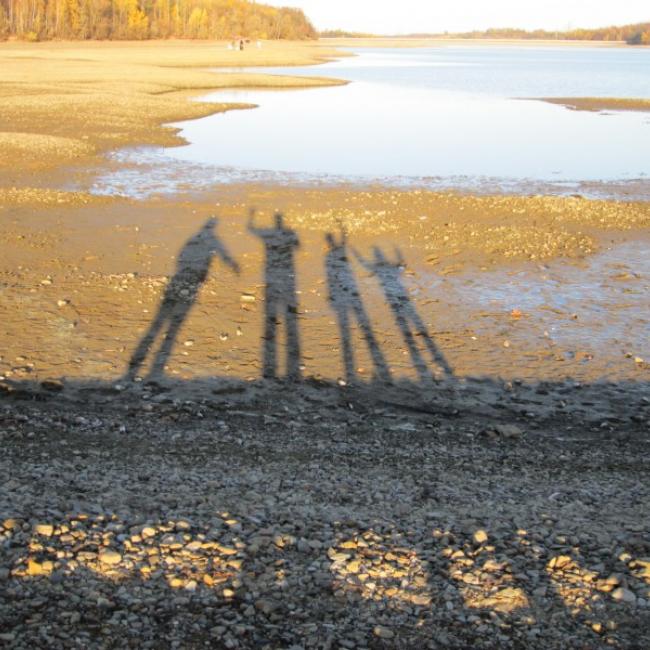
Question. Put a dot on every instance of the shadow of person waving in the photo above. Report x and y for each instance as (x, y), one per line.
(346, 301)
(281, 300)
(389, 273)
(192, 268)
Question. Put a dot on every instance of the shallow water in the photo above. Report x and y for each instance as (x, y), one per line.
(602, 303)
(444, 117)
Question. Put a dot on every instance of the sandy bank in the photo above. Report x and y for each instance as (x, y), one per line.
(71, 101)
(600, 103)
(84, 277)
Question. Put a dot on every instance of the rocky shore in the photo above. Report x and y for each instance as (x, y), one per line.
(318, 517)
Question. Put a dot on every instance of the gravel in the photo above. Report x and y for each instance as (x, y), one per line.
(314, 518)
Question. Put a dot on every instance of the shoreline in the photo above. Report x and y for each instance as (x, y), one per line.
(445, 234)
(396, 41)
(101, 96)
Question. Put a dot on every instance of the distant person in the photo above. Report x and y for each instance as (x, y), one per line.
(181, 293)
(347, 304)
(241, 45)
(281, 299)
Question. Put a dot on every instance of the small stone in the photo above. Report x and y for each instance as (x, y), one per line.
(52, 385)
(508, 431)
(480, 537)
(623, 595)
(559, 562)
(383, 632)
(47, 530)
(111, 558)
(266, 606)
(39, 568)
(353, 566)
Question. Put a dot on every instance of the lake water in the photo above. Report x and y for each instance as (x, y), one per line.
(453, 116)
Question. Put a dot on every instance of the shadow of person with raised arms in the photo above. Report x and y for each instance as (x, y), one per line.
(410, 323)
(347, 303)
(281, 300)
(181, 293)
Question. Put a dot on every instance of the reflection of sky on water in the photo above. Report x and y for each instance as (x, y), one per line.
(509, 71)
(439, 117)
(374, 130)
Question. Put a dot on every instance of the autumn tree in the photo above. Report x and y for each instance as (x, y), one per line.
(139, 19)
(4, 23)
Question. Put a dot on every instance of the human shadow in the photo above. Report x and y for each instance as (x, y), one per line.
(192, 268)
(346, 301)
(281, 300)
(389, 273)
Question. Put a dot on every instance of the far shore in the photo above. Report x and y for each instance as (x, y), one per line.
(405, 41)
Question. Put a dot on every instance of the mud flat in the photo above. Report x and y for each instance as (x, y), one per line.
(65, 102)
(386, 419)
(601, 103)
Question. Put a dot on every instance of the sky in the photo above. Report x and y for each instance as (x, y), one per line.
(407, 16)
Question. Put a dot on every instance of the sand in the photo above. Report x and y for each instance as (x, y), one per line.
(601, 103)
(63, 101)
(90, 273)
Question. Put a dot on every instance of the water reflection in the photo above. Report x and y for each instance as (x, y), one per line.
(374, 130)
(451, 117)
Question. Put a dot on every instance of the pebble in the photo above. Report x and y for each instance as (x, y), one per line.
(110, 558)
(309, 526)
(623, 595)
(480, 537)
(46, 530)
(383, 632)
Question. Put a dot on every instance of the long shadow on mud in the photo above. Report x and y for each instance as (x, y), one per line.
(280, 298)
(389, 274)
(194, 261)
(609, 403)
(347, 303)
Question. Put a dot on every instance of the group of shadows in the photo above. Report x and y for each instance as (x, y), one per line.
(281, 302)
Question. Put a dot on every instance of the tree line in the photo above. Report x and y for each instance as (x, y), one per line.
(637, 34)
(144, 19)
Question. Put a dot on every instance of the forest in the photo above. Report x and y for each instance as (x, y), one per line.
(36, 20)
(637, 34)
